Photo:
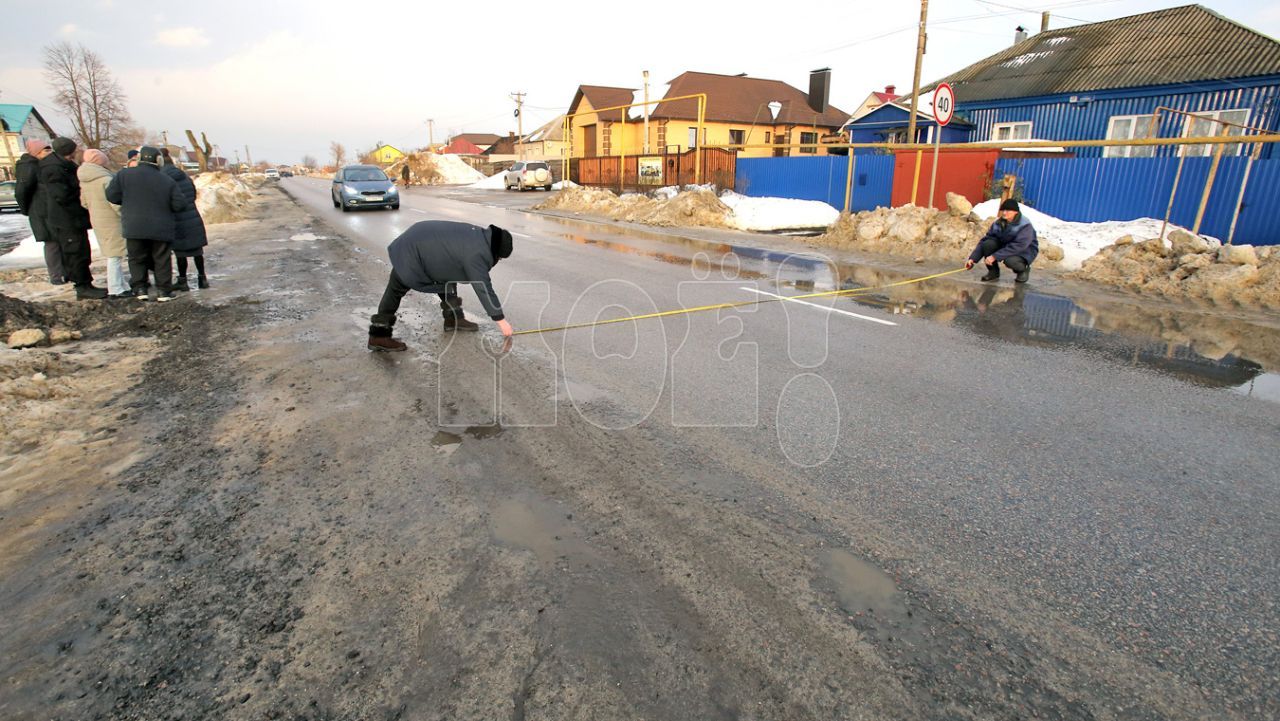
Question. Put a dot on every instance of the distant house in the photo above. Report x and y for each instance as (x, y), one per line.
(18, 124)
(461, 146)
(890, 123)
(739, 110)
(545, 143)
(874, 100)
(1106, 80)
(481, 141)
(386, 154)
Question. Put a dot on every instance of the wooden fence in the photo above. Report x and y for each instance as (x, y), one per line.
(719, 167)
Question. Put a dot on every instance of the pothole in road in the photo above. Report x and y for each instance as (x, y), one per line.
(538, 526)
(861, 586)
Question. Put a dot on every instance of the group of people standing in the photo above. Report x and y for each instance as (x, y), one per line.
(142, 216)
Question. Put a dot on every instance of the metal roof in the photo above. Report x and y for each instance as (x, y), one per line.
(1167, 47)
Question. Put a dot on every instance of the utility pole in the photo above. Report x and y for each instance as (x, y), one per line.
(646, 112)
(921, 40)
(519, 98)
(431, 135)
(247, 157)
(164, 137)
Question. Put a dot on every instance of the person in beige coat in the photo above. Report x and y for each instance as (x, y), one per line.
(94, 178)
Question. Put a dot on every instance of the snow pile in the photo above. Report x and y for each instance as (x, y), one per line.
(497, 181)
(30, 253)
(1185, 265)
(690, 208)
(222, 198)
(922, 233)
(434, 169)
(1080, 241)
(762, 214)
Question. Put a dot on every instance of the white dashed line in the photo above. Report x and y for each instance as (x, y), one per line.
(820, 307)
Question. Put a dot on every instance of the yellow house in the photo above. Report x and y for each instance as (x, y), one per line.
(739, 111)
(545, 143)
(387, 154)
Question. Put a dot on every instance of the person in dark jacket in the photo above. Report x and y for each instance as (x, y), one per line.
(189, 237)
(31, 204)
(434, 256)
(67, 219)
(148, 200)
(1010, 240)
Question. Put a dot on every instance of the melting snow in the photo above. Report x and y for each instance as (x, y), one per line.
(1025, 58)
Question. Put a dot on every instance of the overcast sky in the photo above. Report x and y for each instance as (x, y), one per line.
(286, 78)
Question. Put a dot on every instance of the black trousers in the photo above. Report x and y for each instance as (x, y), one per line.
(385, 318)
(1016, 263)
(74, 249)
(149, 255)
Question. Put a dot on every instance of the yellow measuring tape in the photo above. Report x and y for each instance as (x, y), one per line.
(739, 304)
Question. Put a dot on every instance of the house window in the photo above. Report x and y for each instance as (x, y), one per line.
(808, 138)
(737, 137)
(768, 137)
(1129, 127)
(693, 138)
(1011, 131)
(1203, 126)
(662, 136)
(606, 138)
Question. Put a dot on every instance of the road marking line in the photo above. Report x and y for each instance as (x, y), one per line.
(820, 307)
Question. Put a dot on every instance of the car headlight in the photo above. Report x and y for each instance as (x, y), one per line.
(392, 190)
(350, 189)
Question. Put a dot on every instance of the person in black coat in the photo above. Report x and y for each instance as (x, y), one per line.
(67, 220)
(31, 204)
(189, 237)
(148, 200)
(435, 256)
(1010, 240)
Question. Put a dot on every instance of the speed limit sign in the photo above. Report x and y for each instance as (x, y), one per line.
(944, 103)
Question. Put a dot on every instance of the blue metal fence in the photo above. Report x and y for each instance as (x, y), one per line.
(819, 178)
(1096, 189)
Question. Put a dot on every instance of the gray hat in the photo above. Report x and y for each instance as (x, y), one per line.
(149, 154)
(63, 146)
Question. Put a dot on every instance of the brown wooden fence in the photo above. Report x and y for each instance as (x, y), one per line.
(718, 167)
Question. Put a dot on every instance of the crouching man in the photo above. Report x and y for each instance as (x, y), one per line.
(435, 256)
(1010, 240)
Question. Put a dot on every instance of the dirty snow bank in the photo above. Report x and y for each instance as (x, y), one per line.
(29, 252)
(222, 197)
(1080, 241)
(922, 233)
(763, 214)
(696, 205)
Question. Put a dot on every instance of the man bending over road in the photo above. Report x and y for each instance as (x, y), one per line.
(434, 256)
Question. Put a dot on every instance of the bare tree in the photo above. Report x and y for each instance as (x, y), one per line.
(85, 90)
(130, 137)
(309, 162)
(203, 151)
(339, 153)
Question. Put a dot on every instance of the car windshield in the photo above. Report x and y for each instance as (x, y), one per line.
(365, 174)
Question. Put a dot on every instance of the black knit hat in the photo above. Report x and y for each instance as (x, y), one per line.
(1010, 204)
(63, 146)
(149, 154)
(499, 243)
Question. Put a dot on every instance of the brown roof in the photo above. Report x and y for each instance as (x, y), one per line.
(740, 99)
(477, 138)
(504, 146)
(601, 96)
(1172, 46)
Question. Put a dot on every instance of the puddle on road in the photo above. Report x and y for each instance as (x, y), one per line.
(860, 586)
(1209, 346)
(539, 526)
(446, 443)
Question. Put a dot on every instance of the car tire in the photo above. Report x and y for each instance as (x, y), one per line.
(345, 208)
(396, 206)
(520, 186)
(548, 187)
(336, 204)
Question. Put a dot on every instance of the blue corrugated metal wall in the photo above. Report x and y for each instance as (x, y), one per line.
(1056, 118)
(1096, 189)
(821, 178)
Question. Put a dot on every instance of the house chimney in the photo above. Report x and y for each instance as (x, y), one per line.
(1019, 34)
(1044, 21)
(889, 89)
(819, 89)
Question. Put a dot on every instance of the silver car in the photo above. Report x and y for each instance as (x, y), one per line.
(364, 186)
(528, 174)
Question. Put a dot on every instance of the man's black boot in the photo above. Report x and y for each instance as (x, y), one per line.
(458, 322)
(1023, 275)
(380, 340)
(182, 284)
(993, 273)
(90, 292)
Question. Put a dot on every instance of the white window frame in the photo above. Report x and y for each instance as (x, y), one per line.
(1204, 151)
(1137, 122)
(693, 138)
(1013, 130)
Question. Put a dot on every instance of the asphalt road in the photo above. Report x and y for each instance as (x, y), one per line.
(1104, 533)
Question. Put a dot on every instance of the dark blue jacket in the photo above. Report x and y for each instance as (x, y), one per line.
(189, 235)
(148, 200)
(1016, 238)
(432, 253)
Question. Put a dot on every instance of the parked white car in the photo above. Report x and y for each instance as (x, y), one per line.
(273, 173)
(528, 174)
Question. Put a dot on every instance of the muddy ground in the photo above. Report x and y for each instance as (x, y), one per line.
(233, 511)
